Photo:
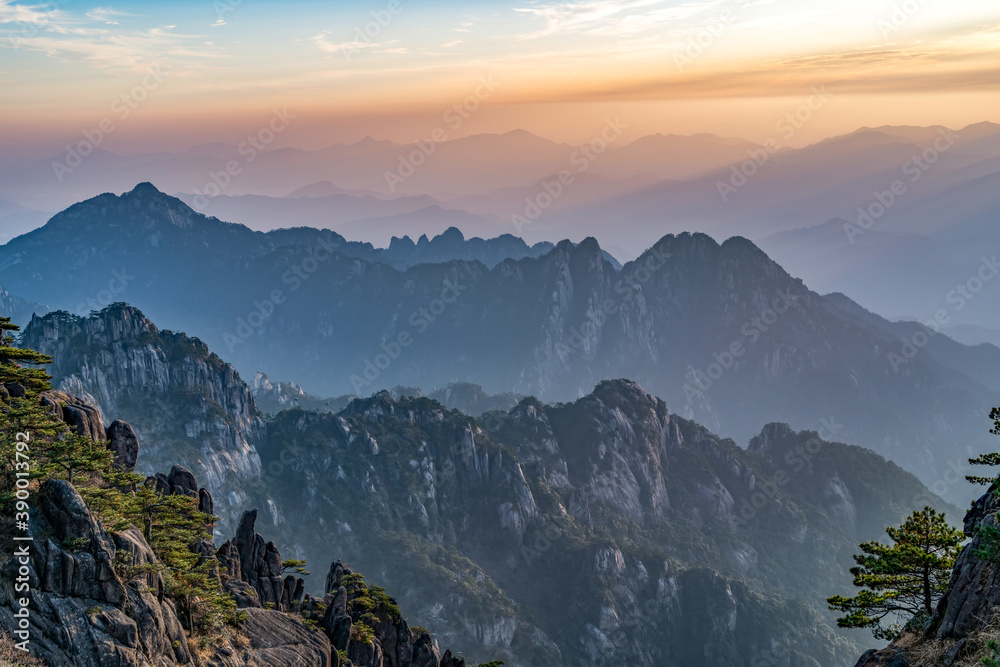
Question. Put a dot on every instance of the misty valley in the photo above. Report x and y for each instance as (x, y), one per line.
(540, 334)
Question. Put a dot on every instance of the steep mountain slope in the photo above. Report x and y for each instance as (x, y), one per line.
(92, 593)
(693, 549)
(719, 331)
(147, 246)
(18, 309)
(185, 403)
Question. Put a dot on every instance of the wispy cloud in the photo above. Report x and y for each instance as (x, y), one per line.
(916, 69)
(632, 17)
(467, 24)
(324, 44)
(581, 15)
(95, 38)
(27, 14)
(107, 15)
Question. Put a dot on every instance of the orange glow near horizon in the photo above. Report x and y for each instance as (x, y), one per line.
(728, 68)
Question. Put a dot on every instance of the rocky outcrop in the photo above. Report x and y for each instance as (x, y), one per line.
(391, 642)
(83, 417)
(277, 639)
(186, 405)
(98, 598)
(967, 609)
(124, 443)
(973, 596)
(83, 613)
(249, 559)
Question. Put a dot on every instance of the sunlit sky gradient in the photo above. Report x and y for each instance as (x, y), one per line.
(562, 67)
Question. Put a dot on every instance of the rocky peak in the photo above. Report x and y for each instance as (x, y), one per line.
(764, 444)
(99, 599)
(205, 417)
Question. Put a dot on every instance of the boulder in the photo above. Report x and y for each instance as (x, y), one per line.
(890, 657)
(448, 660)
(205, 502)
(124, 444)
(260, 566)
(14, 390)
(182, 482)
(973, 594)
(159, 483)
(79, 415)
(425, 652)
(365, 654)
(277, 640)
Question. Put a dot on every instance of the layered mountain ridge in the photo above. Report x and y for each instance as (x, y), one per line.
(99, 595)
(720, 331)
(693, 551)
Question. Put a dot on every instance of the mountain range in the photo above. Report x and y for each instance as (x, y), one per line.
(694, 550)
(720, 331)
(809, 207)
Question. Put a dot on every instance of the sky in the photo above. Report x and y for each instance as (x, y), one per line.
(167, 76)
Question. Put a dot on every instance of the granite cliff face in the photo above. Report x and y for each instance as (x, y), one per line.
(98, 597)
(692, 551)
(185, 403)
(965, 622)
(691, 548)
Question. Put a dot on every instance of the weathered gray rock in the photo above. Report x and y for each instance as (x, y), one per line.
(260, 566)
(961, 648)
(448, 660)
(125, 364)
(83, 615)
(182, 482)
(425, 652)
(205, 502)
(82, 417)
(973, 593)
(890, 657)
(365, 654)
(280, 640)
(124, 443)
(159, 483)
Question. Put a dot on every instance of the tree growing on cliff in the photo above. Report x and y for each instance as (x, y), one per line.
(17, 364)
(902, 579)
(70, 455)
(22, 412)
(296, 565)
(989, 459)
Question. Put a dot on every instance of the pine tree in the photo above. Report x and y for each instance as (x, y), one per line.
(172, 524)
(903, 579)
(70, 455)
(297, 566)
(24, 415)
(990, 459)
(12, 370)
